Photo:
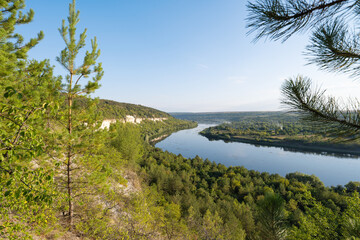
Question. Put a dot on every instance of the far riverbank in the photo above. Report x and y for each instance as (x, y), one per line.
(292, 145)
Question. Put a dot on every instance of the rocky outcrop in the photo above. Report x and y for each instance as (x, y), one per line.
(106, 123)
(128, 119)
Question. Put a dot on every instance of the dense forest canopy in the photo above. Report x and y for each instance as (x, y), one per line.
(112, 109)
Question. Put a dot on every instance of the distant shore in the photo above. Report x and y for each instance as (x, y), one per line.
(293, 145)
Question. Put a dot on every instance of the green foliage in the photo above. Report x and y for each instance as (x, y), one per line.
(232, 199)
(115, 110)
(55, 159)
(79, 134)
(318, 222)
(212, 226)
(146, 216)
(27, 96)
(26, 199)
(153, 131)
(333, 47)
(284, 125)
(128, 141)
(284, 130)
(321, 110)
(70, 52)
(174, 226)
(13, 50)
(40, 138)
(351, 218)
(272, 217)
(281, 19)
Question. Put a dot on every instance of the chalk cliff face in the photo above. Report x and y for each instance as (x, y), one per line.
(128, 119)
(106, 123)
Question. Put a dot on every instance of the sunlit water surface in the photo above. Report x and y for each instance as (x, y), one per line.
(332, 170)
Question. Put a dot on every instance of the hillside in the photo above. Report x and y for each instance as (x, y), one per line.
(155, 124)
(114, 110)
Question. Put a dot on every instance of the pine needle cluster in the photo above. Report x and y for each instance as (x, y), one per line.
(334, 46)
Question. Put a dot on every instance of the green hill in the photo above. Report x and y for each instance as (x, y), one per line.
(113, 109)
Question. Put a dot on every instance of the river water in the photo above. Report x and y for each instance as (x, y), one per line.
(332, 170)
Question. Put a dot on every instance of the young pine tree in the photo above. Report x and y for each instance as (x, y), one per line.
(80, 119)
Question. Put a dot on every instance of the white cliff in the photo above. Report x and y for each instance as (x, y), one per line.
(128, 119)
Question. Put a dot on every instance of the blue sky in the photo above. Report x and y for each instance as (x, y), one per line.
(182, 55)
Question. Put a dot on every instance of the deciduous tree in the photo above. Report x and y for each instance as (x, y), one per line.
(27, 88)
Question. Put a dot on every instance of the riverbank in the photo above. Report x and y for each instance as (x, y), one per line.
(291, 144)
(157, 131)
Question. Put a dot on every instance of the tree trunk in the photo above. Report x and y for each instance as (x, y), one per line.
(69, 161)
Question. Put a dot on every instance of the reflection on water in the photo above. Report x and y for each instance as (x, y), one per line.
(332, 169)
(299, 150)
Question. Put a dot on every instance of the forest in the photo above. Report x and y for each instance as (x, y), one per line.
(283, 130)
(221, 117)
(112, 109)
(62, 177)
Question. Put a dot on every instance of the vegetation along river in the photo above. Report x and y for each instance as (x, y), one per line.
(331, 169)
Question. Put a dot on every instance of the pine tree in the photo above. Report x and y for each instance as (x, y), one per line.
(271, 216)
(13, 50)
(333, 46)
(79, 124)
(27, 88)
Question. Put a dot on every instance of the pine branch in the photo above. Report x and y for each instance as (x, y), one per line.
(333, 47)
(278, 19)
(9, 9)
(77, 81)
(316, 108)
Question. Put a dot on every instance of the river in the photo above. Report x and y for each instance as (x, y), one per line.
(332, 170)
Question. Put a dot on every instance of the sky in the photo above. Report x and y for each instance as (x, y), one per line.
(182, 56)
